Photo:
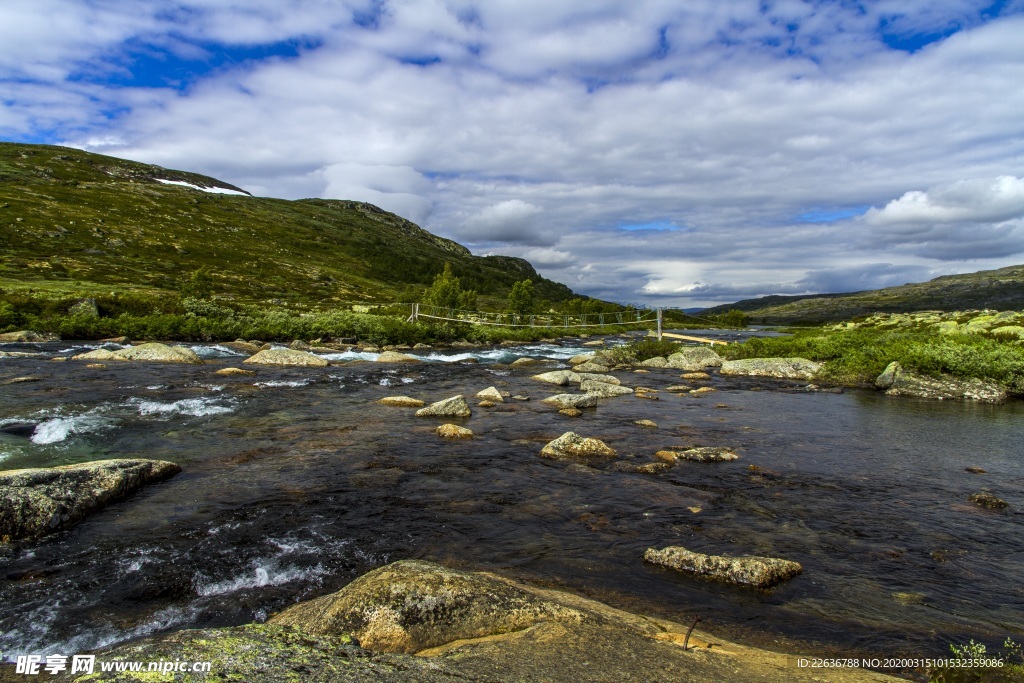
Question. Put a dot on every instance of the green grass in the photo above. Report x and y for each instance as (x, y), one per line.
(858, 356)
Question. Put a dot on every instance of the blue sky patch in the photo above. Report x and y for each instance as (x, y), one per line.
(830, 215)
(657, 226)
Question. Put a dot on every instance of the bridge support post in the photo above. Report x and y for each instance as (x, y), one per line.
(659, 324)
(414, 317)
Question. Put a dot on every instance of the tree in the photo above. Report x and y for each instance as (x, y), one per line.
(447, 292)
(522, 299)
(198, 285)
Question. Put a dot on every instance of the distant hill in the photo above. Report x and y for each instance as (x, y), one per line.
(75, 221)
(1001, 289)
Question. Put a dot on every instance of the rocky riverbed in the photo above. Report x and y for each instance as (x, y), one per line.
(297, 479)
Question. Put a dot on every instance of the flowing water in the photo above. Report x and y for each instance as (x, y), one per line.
(295, 482)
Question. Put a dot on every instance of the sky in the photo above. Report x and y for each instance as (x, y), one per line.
(660, 152)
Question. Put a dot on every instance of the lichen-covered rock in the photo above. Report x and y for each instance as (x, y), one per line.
(572, 400)
(455, 406)
(656, 362)
(694, 359)
(649, 424)
(559, 377)
(760, 572)
(491, 394)
(988, 500)
(41, 501)
(396, 357)
(603, 389)
(235, 371)
(573, 446)
(898, 382)
(678, 388)
(782, 368)
(27, 336)
(287, 357)
(595, 377)
(450, 431)
(591, 367)
(699, 454)
(149, 352)
(242, 346)
(97, 354)
(581, 358)
(413, 605)
(401, 402)
(695, 376)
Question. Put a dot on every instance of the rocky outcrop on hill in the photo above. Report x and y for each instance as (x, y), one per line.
(287, 357)
(781, 368)
(759, 572)
(41, 501)
(896, 381)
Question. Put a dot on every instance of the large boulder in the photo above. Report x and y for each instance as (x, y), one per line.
(572, 400)
(603, 389)
(287, 357)
(455, 406)
(782, 368)
(41, 501)
(559, 377)
(896, 381)
(750, 570)
(149, 352)
(413, 605)
(396, 357)
(572, 446)
(694, 358)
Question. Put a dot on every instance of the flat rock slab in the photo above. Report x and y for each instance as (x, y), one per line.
(781, 368)
(603, 389)
(287, 357)
(898, 382)
(149, 352)
(455, 406)
(748, 570)
(572, 446)
(572, 400)
(41, 501)
(401, 402)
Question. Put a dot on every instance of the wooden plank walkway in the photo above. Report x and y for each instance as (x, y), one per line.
(703, 340)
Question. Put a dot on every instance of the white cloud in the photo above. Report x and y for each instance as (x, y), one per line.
(978, 200)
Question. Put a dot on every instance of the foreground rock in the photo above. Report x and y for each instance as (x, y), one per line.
(603, 389)
(573, 446)
(450, 431)
(455, 406)
(781, 368)
(559, 377)
(396, 357)
(896, 381)
(694, 359)
(572, 400)
(37, 502)
(149, 352)
(401, 402)
(468, 627)
(750, 570)
(287, 357)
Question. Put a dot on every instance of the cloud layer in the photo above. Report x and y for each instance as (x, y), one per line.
(538, 129)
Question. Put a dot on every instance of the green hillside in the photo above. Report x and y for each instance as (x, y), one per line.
(76, 223)
(1001, 289)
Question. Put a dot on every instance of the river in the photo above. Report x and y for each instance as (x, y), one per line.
(295, 482)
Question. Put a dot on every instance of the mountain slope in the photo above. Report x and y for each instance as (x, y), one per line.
(73, 220)
(1001, 289)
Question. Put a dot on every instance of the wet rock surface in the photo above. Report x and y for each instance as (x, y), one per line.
(573, 446)
(149, 352)
(287, 357)
(455, 406)
(749, 570)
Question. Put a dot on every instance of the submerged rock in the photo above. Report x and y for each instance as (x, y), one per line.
(650, 424)
(695, 376)
(572, 400)
(571, 445)
(287, 357)
(401, 402)
(559, 377)
(896, 381)
(491, 394)
(694, 359)
(749, 570)
(988, 500)
(235, 371)
(450, 431)
(455, 406)
(41, 501)
(570, 412)
(782, 368)
(396, 357)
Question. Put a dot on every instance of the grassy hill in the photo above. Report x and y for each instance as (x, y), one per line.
(1001, 289)
(74, 223)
